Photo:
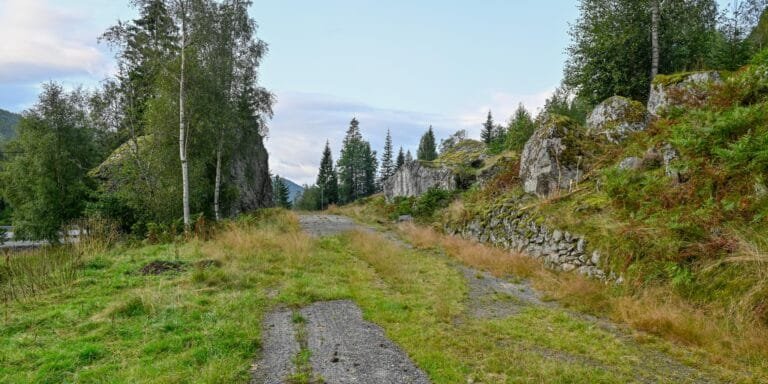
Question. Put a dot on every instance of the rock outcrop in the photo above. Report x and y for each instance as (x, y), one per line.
(416, 178)
(687, 89)
(509, 228)
(249, 175)
(552, 159)
(615, 118)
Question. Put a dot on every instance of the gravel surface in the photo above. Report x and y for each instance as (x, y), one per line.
(347, 349)
(279, 348)
(492, 297)
(326, 225)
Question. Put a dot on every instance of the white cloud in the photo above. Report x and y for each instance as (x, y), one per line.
(42, 41)
(503, 105)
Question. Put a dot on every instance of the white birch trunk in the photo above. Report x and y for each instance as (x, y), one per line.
(217, 187)
(183, 125)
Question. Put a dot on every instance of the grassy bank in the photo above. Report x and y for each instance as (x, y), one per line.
(111, 323)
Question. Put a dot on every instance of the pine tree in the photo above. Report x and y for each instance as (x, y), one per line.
(371, 166)
(487, 133)
(327, 179)
(280, 193)
(400, 159)
(427, 147)
(408, 157)
(387, 160)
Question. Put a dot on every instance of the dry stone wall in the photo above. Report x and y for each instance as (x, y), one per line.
(509, 228)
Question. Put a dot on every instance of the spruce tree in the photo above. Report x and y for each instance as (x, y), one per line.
(280, 193)
(408, 157)
(520, 129)
(327, 180)
(357, 166)
(387, 160)
(400, 159)
(488, 127)
(427, 148)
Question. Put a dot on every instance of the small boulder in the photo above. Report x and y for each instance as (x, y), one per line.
(553, 158)
(688, 89)
(615, 118)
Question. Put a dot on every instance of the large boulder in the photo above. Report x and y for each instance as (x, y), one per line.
(553, 158)
(684, 89)
(615, 118)
(416, 177)
(249, 175)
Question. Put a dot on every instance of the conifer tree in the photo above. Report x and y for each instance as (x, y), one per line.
(357, 166)
(488, 127)
(408, 157)
(520, 129)
(400, 159)
(427, 148)
(387, 160)
(327, 179)
(280, 193)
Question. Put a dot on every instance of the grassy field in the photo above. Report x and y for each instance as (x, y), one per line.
(105, 322)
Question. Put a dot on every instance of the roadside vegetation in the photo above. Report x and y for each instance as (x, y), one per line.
(116, 319)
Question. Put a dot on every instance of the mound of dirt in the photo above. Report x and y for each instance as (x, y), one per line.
(208, 263)
(159, 267)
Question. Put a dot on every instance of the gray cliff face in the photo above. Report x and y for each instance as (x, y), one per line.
(249, 175)
(690, 90)
(551, 159)
(615, 118)
(415, 178)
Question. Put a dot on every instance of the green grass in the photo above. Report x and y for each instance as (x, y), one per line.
(112, 324)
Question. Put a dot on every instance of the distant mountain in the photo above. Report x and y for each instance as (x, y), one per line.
(294, 190)
(8, 122)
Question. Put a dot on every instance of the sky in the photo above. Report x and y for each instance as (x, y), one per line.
(396, 64)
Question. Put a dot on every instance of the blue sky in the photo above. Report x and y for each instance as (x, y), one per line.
(396, 64)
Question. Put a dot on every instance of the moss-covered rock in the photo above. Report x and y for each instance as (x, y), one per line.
(691, 89)
(553, 159)
(616, 118)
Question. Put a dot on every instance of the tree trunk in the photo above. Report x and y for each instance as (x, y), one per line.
(183, 125)
(217, 186)
(654, 39)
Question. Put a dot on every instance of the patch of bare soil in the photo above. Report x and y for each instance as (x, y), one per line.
(159, 267)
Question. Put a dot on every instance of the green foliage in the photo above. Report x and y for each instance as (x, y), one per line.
(357, 166)
(519, 129)
(610, 52)
(387, 159)
(327, 181)
(486, 134)
(310, 199)
(45, 179)
(280, 193)
(423, 208)
(427, 146)
(400, 159)
(8, 123)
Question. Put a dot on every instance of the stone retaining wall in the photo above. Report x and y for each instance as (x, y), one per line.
(509, 228)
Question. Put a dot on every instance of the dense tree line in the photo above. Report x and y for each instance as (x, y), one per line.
(619, 45)
(166, 138)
